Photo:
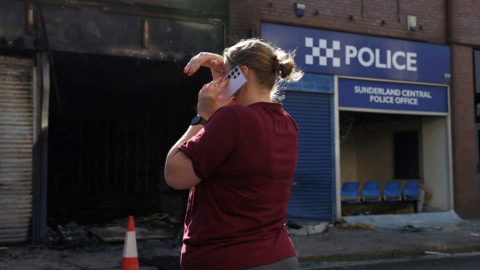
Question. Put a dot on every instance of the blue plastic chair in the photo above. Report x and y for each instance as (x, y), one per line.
(349, 192)
(370, 192)
(391, 192)
(411, 191)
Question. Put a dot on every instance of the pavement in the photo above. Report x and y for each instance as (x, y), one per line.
(358, 238)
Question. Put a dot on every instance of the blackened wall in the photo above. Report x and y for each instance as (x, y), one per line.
(116, 76)
(125, 28)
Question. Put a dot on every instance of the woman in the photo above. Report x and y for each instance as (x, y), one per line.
(238, 159)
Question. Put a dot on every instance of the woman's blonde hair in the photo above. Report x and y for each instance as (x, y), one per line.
(271, 65)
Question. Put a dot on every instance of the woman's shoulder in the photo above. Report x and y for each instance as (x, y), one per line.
(235, 114)
(251, 112)
(226, 113)
(234, 110)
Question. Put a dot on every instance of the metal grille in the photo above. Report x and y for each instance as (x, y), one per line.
(16, 151)
(313, 189)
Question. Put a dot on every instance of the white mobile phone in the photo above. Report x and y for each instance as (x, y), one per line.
(236, 80)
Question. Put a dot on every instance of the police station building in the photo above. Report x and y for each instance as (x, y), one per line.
(369, 109)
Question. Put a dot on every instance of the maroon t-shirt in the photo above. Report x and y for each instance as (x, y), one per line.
(246, 157)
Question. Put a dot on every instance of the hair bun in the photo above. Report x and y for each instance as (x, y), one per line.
(283, 64)
(286, 68)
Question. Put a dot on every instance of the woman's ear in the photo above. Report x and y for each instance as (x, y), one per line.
(245, 71)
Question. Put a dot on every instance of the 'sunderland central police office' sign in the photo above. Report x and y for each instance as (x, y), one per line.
(392, 96)
(326, 52)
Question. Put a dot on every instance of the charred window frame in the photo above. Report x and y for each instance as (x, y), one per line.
(476, 61)
(476, 65)
(406, 155)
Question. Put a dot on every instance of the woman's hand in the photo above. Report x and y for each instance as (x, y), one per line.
(207, 98)
(209, 60)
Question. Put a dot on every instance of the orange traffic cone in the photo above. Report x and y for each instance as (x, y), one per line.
(130, 256)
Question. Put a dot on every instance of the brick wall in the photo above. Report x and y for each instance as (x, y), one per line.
(377, 17)
(463, 129)
(244, 17)
(465, 34)
(465, 22)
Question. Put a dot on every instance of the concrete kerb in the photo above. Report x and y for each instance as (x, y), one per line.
(390, 254)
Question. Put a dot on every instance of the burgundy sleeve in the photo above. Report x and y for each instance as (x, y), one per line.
(213, 144)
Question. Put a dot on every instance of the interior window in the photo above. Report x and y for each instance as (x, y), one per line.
(406, 155)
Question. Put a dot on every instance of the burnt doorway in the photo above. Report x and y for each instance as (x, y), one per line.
(110, 129)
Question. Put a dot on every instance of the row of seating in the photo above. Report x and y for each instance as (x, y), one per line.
(371, 193)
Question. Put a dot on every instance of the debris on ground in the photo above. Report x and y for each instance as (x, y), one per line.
(450, 228)
(115, 234)
(306, 229)
(75, 246)
(155, 227)
(355, 226)
(413, 228)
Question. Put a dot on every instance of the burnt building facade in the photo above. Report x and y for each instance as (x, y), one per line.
(93, 97)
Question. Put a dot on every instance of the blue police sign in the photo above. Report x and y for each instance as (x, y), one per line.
(327, 52)
(392, 96)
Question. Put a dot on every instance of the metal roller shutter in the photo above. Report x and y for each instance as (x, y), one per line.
(16, 151)
(313, 192)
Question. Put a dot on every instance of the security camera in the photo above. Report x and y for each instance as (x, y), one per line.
(299, 9)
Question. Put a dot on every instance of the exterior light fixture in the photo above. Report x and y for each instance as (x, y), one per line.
(299, 9)
(412, 23)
